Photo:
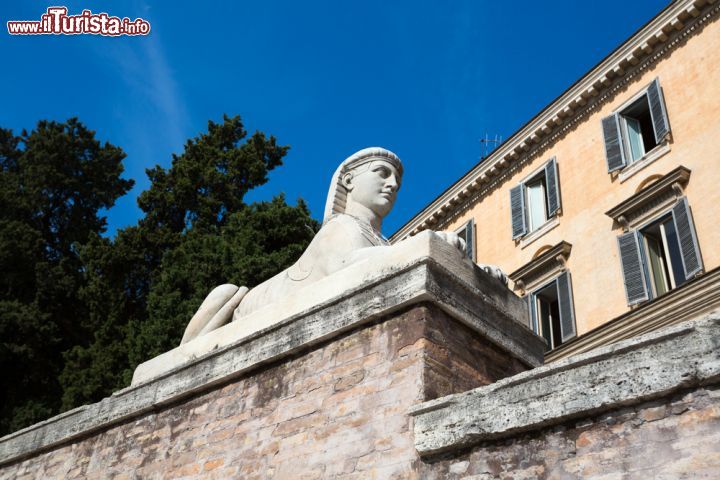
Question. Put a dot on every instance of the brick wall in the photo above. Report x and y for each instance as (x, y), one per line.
(415, 394)
(336, 411)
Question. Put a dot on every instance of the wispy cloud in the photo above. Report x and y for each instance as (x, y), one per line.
(144, 69)
(143, 66)
(148, 108)
(164, 91)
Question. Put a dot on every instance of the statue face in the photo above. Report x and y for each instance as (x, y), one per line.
(375, 186)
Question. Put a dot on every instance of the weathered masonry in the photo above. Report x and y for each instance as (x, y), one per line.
(426, 371)
(419, 365)
(642, 408)
(324, 394)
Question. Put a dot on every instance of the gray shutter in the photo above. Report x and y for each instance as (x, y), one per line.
(565, 302)
(531, 303)
(470, 239)
(613, 148)
(553, 192)
(657, 111)
(517, 211)
(632, 268)
(687, 239)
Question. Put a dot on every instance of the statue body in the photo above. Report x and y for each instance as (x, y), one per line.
(340, 242)
(362, 192)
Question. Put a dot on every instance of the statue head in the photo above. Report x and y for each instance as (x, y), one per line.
(360, 174)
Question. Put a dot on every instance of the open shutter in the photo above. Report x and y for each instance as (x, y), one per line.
(553, 192)
(530, 300)
(565, 302)
(470, 239)
(687, 239)
(658, 111)
(632, 268)
(517, 211)
(613, 148)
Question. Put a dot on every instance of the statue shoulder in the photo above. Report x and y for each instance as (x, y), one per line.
(354, 233)
(329, 241)
(342, 225)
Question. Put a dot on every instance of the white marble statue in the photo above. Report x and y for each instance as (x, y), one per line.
(362, 193)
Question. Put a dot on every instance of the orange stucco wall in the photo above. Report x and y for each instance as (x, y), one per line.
(690, 79)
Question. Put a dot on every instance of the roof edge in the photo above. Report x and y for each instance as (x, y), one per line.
(621, 65)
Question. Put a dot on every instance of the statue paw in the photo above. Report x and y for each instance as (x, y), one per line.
(453, 239)
(495, 272)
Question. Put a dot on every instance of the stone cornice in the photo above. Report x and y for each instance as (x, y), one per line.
(651, 43)
(671, 185)
(553, 259)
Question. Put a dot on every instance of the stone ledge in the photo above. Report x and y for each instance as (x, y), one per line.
(625, 373)
(437, 274)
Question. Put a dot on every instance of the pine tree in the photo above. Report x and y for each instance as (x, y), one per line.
(54, 181)
(196, 233)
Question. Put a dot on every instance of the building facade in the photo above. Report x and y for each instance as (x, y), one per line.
(603, 211)
(603, 208)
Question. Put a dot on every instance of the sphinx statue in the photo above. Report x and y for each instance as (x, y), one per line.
(362, 192)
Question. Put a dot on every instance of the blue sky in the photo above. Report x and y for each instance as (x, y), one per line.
(426, 79)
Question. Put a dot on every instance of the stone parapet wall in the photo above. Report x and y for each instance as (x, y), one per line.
(648, 407)
(423, 373)
(426, 270)
(338, 410)
(673, 438)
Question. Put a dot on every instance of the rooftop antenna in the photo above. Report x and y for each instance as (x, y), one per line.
(489, 144)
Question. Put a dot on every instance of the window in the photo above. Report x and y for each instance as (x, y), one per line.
(535, 200)
(635, 129)
(467, 233)
(551, 311)
(545, 284)
(661, 255)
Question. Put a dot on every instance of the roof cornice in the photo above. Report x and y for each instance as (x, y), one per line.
(652, 42)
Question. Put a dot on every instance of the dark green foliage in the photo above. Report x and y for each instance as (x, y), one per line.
(114, 293)
(266, 238)
(256, 243)
(78, 311)
(142, 288)
(53, 182)
(210, 179)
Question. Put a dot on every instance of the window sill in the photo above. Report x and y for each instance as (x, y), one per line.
(539, 232)
(649, 158)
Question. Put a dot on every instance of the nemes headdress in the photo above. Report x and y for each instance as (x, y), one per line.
(337, 195)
